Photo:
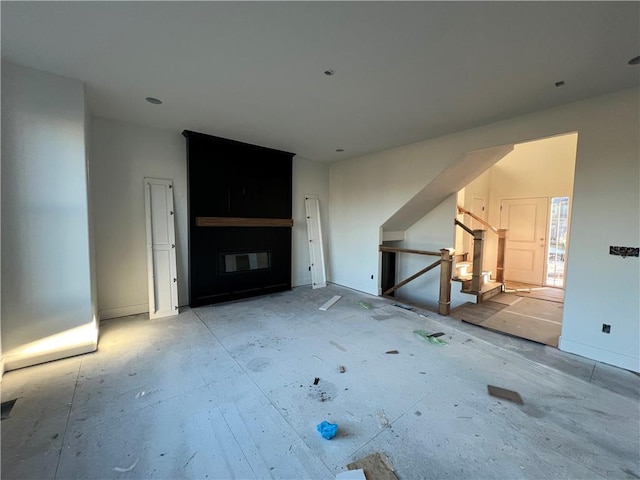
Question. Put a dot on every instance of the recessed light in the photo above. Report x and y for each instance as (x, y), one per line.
(153, 100)
(560, 83)
(635, 61)
(339, 150)
(329, 72)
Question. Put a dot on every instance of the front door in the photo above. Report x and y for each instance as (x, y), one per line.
(526, 221)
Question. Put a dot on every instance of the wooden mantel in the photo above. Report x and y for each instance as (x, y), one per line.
(243, 222)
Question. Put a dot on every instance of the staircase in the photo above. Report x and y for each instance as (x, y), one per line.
(488, 288)
(474, 280)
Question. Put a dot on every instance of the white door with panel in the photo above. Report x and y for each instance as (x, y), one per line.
(316, 249)
(526, 221)
(161, 248)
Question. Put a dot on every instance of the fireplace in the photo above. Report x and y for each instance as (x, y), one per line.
(239, 219)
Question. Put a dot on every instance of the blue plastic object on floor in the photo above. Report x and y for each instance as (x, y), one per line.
(327, 430)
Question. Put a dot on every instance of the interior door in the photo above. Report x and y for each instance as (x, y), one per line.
(316, 249)
(526, 221)
(161, 248)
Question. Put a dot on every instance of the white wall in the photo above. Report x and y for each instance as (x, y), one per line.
(46, 273)
(365, 191)
(479, 188)
(309, 178)
(121, 155)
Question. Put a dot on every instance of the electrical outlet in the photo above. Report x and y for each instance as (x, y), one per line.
(606, 328)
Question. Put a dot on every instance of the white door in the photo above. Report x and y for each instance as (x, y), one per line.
(526, 221)
(316, 249)
(161, 248)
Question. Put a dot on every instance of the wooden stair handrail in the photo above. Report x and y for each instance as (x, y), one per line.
(384, 248)
(444, 262)
(463, 226)
(476, 218)
(412, 277)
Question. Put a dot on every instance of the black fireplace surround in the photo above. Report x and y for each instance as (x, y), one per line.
(239, 198)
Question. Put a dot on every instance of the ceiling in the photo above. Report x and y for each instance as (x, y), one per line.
(254, 71)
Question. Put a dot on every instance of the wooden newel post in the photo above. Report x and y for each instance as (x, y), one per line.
(446, 260)
(477, 280)
(502, 242)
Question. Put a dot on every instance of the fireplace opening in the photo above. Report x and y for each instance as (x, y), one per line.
(243, 262)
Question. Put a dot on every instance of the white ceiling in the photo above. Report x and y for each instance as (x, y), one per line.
(253, 71)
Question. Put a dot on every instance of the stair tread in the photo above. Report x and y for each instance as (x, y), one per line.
(486, 287)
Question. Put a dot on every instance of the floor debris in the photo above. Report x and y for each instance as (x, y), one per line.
(432, 338)
(341, 369)
(6, 408)
(505, 394)
(376, 466)
(190, 458)
(351, 475)
(392, 352)
(366, 305)
(404, 307)
(329, 303)
(316, 380)
(128, 469)
(383, 421)
(327, 430)
(381, 317)
(317, 358)
(338, 346)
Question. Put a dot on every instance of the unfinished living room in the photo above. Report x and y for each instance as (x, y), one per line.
(297, 240)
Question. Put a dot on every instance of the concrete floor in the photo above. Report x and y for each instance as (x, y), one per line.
(227, 392)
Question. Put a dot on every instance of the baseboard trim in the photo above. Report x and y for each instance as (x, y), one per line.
(123, 311)
(605, 356)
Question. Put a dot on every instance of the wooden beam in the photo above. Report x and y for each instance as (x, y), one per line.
(477, 278)
(502, 243)
(384, 248)
(243, 222)
(446, 266)
(463, 226)
(412, 277)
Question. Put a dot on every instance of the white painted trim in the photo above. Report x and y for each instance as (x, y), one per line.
(123, 311)
(316, 242)
(605, 356)
(327, 305)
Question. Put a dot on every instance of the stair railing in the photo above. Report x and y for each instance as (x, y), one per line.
(445, 262)
(478, 243)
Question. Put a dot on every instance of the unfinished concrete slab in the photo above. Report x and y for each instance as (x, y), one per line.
(228, 391)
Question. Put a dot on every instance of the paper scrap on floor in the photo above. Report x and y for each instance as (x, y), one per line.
(505, 394)
(351, 475)
(376, 466)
